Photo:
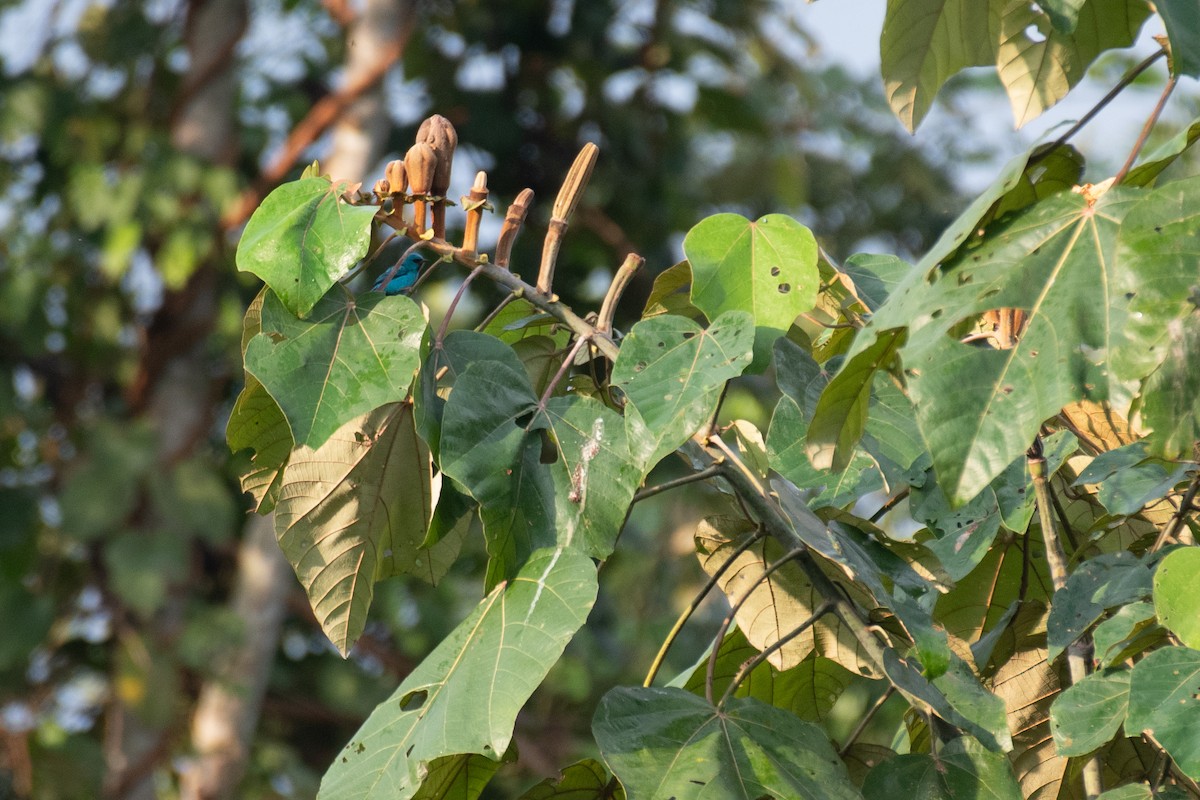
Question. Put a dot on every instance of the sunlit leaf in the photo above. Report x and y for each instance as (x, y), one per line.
(671, 743)
(351, 356)
(672, 371)
(465, 696)
(1175, 597)
(767, 268)
(302, 239)
(357, 510)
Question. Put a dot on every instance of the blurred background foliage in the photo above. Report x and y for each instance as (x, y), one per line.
(120, 317)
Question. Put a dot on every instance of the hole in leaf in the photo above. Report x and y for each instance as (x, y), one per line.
(784, 288)
(690, 334)
(411, 702)
(524, 419)
(1034, 34)
(408, 752)
(774, 272)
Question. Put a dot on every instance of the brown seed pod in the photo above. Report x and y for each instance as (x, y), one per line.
(396, 176)
(420, 163)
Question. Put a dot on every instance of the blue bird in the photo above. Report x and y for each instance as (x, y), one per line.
(403, 278)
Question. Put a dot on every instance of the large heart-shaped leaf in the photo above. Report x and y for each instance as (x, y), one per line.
(357, 510)
(302, 239)
(672, 371)
(671, 743)
(559, 474)
(465, 696)
(978, 408)
(767, 268)
(351, 356)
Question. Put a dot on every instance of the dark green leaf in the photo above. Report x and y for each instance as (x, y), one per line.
(1182, 19)
(1129, 626)
(671, 743)
(1104, 582)
(585, 780)
(875, 276)
(1129, 480)
(302, 239)
(962, 770)
(351, 356)
(1153, 164)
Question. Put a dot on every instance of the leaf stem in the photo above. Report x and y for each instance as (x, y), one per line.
(1188, 503)
(495, 312)
(866, 720)
(710, 671)
(778, 644)
(695, 603)
(1128, 78)
(891, 503)
(562, 370)
(441, 333)
(1056, 557)
(650, 491)
(1145, 134)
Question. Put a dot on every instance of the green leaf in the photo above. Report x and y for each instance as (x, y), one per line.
(302, 239)
(1163, 156)
(460, 777)
(1128, 626)
(351, 356)
(672, 294)
(875, 276)
(924, 42)
(1182, 20)
(1171, 395)
(1159, 281)
(808, 690)
(1089, 713)
(28, 619)
(1101, 583)
(257, 423)
(442, 366)
(672, 370)
(1038, 70)
(1164, 701)
(979, 408)
(1128, 479)
(767, 268)
(967, 706)
(355, 511)
(840, 416)
(585, 780)
(671, 743)
(962, 770)
(1063, 13)
(558, 475)
(465, 696)
(1175, 597)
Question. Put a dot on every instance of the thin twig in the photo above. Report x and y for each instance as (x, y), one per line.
(1188, 504)
(441, 334)
(369, 260)
(695, 603)
(1128, 78)
(891, 503)
(495, 312)
(1145, 134)
(710, 671)
(862, 723)
(651, 491)
(775, 646)
(562, 370)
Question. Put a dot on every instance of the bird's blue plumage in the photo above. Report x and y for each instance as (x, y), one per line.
(402, 278)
